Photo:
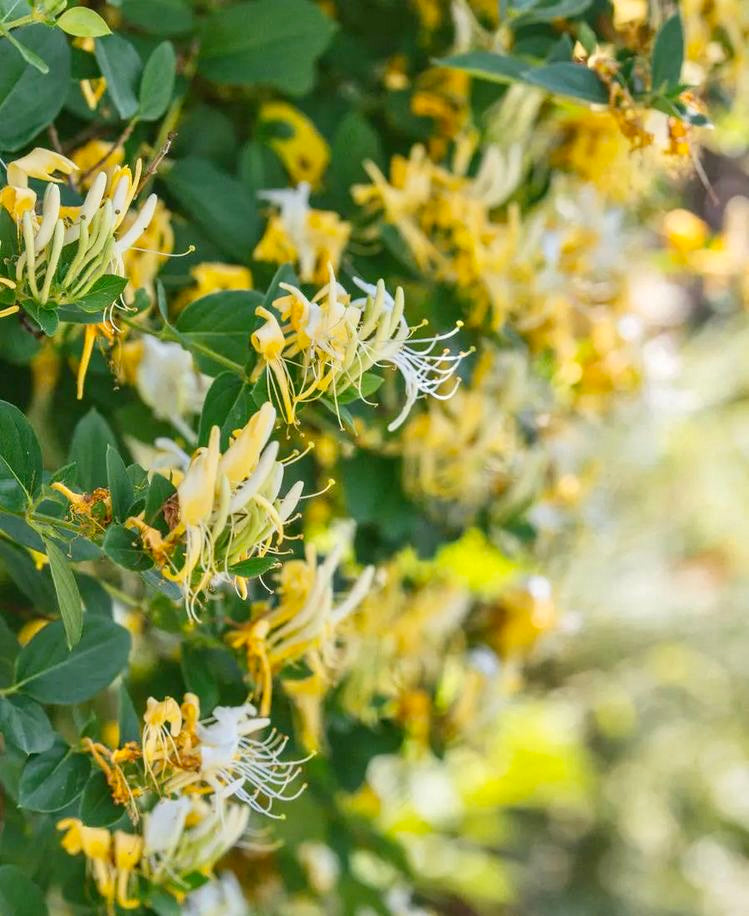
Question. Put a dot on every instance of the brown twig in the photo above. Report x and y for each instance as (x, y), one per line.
(156, 161)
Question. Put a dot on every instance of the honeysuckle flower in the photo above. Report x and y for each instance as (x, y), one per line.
(304, 153)
(93, 226)
(186, 835)
(302, 625)
(214, 277)
(142, 263)
(95, 156)
(334, 341)
(234, 764)
(309, 238)
(221, 897)
(112, 859)
(229, 510)
(167, 380)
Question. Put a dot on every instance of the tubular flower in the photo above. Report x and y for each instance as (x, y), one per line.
(229, 510)
(303, 624)
(305, 154)
(90, 231)
(309, 238)
(336, 340)
(234, 764)
(213, 277)
(111, 858)
(187, 835)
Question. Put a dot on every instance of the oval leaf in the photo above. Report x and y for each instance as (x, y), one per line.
(20, 459)
(54, 779)
(25, 724)
(83, 23)
(157, 84)
(68, 596)
(48, 672)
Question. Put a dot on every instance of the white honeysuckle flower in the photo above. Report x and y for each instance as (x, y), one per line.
(237, 765)
(168, 382)
(221, 897)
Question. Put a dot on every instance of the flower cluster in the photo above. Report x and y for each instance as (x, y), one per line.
(322, 347)
(207, 777)
(64, 251)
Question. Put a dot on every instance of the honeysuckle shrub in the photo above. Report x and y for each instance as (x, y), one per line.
(311, 316)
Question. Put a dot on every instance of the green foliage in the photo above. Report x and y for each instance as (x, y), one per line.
(49, 672)
(271, 42)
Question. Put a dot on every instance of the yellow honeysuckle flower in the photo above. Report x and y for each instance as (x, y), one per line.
(305, 153)
(311, 239)
(17, 198)
(29, 630)
(94, 156)
(214, 277)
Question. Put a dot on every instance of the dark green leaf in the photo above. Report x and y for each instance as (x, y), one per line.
(68, 596)
(157, 84)
(36, 585)
(97, 806)
(9, 649)
(565, 78)
(19, 895)
(102, 294)
(47, 319)
(25, 724)
(548, 11)
(27, 54)
(255, 566)
(220, 326)
(88, 450)
(121, 67)
(668, 54)
(118, 481)
(123, 546)
(355, 141)
(54, 779)
(158, 493)
(126, 717)
(48, 672)
(20, 459)
(29, 100)
(218, 203)
(499, 68)
(159, 17)
(271, 42)
(228, 405)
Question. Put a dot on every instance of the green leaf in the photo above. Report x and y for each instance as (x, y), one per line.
(368, 384)
(228, 405)
(20, 459)
(218, 203)
(102, 294)
(159, 17)
(68, 596)
(9, 649)
(219, 325)
(157, 84)
(120, 487)
(253, 567)
(88, 450)
(47, 319)
(123, 547)
(54, 779)
(36, 585)
(98, 809)
(126, 717)
(668, 55)
(48, 672)
(549, 11)
(498, 68)
(83, 23)
(18, 893)
(355, 141)
(25, 724)
(158, 493)
(271, 42)
(162, 902)
(565, 78)
(30, 100)
(120, 65)
(27, 54)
